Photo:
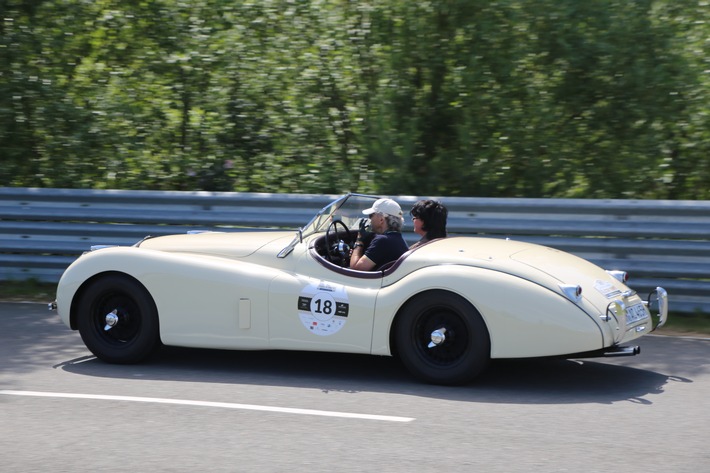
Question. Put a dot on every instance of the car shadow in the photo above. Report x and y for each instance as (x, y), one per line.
(529, 381)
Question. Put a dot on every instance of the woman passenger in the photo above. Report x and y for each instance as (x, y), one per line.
(429, 218)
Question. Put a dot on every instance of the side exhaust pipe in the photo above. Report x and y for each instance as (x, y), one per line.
(622, 351)
(608, 352)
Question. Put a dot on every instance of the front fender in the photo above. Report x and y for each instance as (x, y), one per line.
(198, 297)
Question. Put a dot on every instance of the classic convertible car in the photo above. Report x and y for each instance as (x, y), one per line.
(444, 308)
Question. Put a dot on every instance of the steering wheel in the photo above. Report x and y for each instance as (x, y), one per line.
(338, 251)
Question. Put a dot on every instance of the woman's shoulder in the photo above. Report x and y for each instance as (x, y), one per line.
(418, 243)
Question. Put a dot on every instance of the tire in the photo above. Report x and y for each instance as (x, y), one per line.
(464, 350)
(135, 334)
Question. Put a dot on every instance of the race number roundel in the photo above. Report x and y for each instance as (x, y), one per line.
(323, 308)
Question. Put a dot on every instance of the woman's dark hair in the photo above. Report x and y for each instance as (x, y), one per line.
(433, 216)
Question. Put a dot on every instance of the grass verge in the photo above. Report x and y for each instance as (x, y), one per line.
(34, 291)
(686, 324)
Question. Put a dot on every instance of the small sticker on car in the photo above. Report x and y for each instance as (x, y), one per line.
(323, 308)
(606, 288)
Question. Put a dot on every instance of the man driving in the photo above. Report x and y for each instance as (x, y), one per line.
(386, 243)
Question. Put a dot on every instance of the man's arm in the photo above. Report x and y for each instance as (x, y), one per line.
(358, 260)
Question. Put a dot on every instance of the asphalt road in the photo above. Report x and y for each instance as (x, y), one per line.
(61, 410)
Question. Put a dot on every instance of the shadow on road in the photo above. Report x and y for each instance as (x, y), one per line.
(538, 381)
(33, 340)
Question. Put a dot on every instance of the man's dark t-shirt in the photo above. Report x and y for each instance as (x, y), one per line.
(386, 247)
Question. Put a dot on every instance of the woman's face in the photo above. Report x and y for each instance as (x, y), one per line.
(418, 224)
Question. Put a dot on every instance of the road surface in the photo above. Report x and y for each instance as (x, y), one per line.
(199, 410)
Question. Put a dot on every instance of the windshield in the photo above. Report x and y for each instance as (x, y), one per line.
(348, 209)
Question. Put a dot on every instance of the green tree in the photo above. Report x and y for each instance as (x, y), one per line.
(605, 98)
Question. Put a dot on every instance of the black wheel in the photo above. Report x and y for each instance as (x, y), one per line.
(442, 339)
(338, 250)
(117, 320)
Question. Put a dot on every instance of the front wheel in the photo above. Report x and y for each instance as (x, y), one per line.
(118, 320)
(442, 339)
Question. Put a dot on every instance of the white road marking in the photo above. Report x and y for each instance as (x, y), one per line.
(224, 405)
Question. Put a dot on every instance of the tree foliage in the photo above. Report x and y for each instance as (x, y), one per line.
(556, 98)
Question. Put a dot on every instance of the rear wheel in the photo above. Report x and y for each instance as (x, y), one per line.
(118, 320)
(442, 339)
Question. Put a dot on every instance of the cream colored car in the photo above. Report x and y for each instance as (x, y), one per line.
(445, 308)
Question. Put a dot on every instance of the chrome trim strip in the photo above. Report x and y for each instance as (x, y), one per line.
(101, 247)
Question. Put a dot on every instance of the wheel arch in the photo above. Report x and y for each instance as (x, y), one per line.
(79, 294)
(396, 320)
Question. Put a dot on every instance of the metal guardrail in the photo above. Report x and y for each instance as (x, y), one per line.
(658, 242)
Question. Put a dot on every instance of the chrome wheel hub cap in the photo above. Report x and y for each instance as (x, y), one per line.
(437, 337)
(111, 320)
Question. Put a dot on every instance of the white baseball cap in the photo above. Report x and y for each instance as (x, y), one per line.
(385, 206)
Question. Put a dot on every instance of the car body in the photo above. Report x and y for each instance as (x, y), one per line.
(445, 308)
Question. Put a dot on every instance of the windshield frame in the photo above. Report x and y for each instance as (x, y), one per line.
(347, 209)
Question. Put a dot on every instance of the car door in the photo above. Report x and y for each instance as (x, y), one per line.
(315, 308)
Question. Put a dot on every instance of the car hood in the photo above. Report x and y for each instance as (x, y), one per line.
(225, 245)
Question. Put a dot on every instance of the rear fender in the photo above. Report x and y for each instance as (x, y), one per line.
(523, 319)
